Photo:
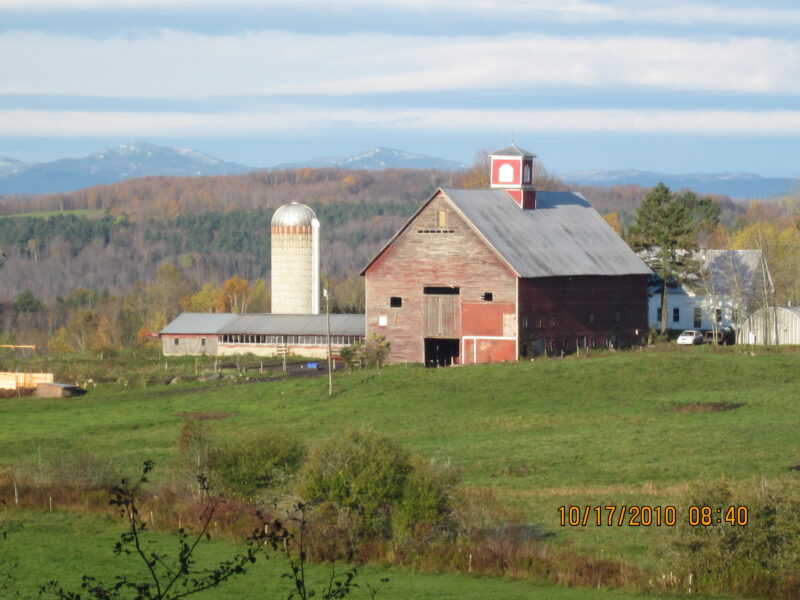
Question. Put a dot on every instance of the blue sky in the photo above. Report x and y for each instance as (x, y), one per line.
(677, 87)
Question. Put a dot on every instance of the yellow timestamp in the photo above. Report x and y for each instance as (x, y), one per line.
(610, 515)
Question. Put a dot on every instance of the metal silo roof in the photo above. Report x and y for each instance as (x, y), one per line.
(293, 215)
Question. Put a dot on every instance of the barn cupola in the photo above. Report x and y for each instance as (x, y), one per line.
(512, 170)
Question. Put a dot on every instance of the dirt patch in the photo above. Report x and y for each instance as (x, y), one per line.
(707, 407)
(206, 415)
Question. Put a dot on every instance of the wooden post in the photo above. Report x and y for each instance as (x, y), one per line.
(330, 351)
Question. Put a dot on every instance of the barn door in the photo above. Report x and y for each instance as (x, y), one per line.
(441, 312)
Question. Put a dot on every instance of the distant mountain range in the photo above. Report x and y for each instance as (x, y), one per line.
(735, 185)
(379, 158)
(140, 159)
(112, 165)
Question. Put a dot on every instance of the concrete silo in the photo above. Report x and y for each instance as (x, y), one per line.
(295, 260)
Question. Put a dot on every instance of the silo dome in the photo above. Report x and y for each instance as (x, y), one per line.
(295, 260)
(293, 215)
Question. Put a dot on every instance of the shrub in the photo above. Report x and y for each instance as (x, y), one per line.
(362, 473)
(426, 510)
(758, 559)
(371, 353)
(253, 464)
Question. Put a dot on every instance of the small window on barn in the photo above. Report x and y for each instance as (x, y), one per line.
(676, 315)
(525, 324)
(487, 296)
(177, 341)
(553, 321)
(539, 323)
(617, 316)
(591, 317)
(202, 341)
(396, 302)
(441, 221)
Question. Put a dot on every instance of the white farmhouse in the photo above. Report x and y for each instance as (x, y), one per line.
(725, 291)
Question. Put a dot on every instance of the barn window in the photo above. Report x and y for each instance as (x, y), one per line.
(383, 321)
(553, 321)
(539, 323)
(441, 220)
(525, 322)
(676, 315)
(505, 174)
(202, 341)
(396, 302)
(487, 296)
(591, 317)
(177, 341)
(617, 316)
(719, 315)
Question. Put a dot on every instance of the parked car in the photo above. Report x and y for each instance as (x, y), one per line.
(725, 336)
(690, 337)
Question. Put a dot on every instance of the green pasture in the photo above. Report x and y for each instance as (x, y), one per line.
(63, 547)
(629, 428)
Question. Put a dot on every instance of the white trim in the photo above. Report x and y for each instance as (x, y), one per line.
(487, 337)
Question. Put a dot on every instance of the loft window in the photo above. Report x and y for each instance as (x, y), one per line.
(487, 296)
(441, 221)
(676, 315)
(396, 302)
(441, 290)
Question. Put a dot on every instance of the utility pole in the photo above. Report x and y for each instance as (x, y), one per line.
(330, 353)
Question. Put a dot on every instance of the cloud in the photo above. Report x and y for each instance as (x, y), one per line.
(31, 123)
(530, 11)
(175, 64)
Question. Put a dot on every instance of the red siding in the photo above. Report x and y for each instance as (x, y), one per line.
(597, 309)
(428, 255)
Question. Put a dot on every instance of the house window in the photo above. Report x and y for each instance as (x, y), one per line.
(487, 296)
(698, 316)
(441, 221)
(177, 341)
(676, 315)
(658, 314)
(719, 315)
(396, 302)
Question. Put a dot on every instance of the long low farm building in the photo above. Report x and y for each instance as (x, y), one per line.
(226, 334)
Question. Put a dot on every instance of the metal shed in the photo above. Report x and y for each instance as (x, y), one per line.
(773, 325)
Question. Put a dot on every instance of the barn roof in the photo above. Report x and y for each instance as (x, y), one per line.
(562, 236)
(264, 324)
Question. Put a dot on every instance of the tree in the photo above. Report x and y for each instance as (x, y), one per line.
(663, 232)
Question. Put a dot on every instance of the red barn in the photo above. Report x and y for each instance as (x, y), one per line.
(491, 275)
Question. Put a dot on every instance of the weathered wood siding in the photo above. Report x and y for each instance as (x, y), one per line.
(427, 254)
(562, 313)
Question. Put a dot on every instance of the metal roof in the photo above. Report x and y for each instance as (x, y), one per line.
(265, 324)
(198, 323)
(292, 215)
(562, 236)
(512, 150)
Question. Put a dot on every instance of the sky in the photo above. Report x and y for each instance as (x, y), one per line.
(676, 87)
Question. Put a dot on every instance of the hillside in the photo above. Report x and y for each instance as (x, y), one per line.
(219, 226)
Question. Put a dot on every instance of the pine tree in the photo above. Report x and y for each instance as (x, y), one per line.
(664, 232)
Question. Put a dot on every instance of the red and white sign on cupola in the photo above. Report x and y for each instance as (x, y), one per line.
(512, 170)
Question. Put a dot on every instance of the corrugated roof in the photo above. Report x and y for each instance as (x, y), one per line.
(563, 236)
(270, 324)
(512, 150)
(265, 324)
(198, 323)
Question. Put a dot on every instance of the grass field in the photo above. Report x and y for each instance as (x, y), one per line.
(625, 428)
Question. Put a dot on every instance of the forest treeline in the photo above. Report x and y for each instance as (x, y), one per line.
(113, 250)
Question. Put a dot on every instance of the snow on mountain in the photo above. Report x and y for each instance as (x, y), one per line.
(379, 158)
(114, 164)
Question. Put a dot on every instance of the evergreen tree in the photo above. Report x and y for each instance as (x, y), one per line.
(664, 232)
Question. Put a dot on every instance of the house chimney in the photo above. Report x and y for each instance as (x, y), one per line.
(512, 170)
